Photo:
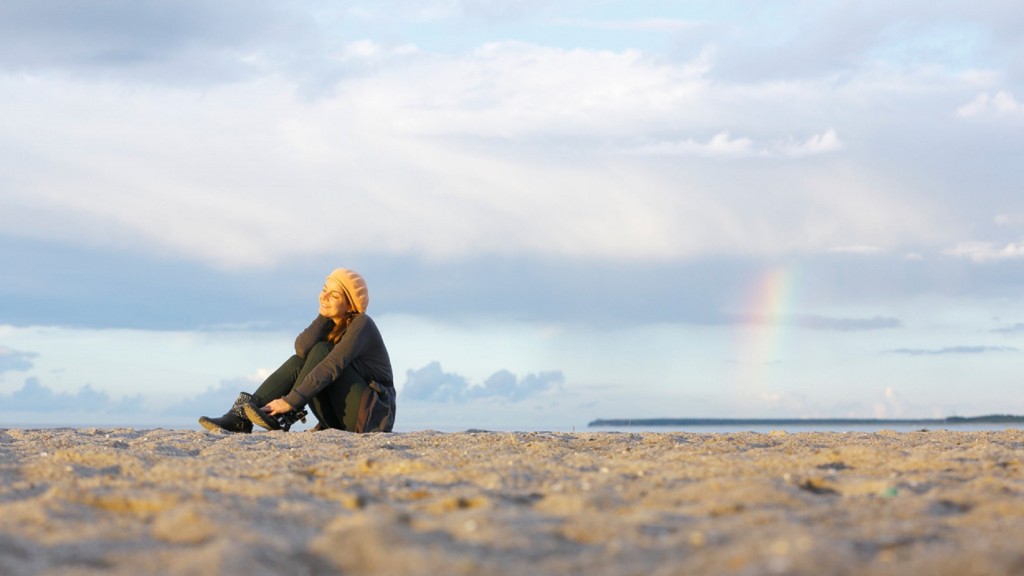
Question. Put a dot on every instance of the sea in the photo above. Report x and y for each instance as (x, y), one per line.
(798, 428)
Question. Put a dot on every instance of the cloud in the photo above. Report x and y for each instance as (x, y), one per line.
(15, 360)
(825, 142)
(815, 322)
(723, 145)
(894, 405)
(505, 147)
(201, 161)
(214, 401)
(516, 90)
(453, 152)
(112, 288)
(1002, 103)
(863, 249)
(780, 403)
(186, 42)
(786, 40)
(643, 25)
(506, 385)
(952, 350)
(370, 53)
(846, 324)
(1017, 328)
(1015, 219)
(432, 384)
(988, 251)
(35, 397)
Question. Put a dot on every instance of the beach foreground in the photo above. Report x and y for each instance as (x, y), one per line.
(123, 501)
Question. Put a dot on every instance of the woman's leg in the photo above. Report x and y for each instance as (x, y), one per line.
(279, 384)
(337, 405)
(276, 385)
(316, 354)
(281, 381)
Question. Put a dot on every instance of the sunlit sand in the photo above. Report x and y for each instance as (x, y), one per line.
(122, 501)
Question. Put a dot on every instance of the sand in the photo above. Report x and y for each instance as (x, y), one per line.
(123, 501)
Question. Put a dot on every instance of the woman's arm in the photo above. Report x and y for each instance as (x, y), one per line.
(359, 336)
(314, 333)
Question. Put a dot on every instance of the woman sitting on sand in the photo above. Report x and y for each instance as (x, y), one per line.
(340, 368)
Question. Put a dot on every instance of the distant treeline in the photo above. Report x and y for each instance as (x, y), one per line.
(624, 423)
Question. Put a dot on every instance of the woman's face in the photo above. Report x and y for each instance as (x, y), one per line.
(333, 303)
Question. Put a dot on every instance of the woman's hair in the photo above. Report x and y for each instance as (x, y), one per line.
(339, 329)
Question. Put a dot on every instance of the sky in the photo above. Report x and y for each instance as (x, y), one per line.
(564, 210)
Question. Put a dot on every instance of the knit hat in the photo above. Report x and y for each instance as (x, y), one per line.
(354, 286)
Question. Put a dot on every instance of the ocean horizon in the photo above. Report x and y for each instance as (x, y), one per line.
(794, 428)
(990, 422)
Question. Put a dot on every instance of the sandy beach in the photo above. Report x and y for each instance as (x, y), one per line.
(123, 501)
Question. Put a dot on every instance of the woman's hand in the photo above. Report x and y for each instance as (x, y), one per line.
(276, 407)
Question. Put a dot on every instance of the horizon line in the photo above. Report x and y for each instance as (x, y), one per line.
(627, 422)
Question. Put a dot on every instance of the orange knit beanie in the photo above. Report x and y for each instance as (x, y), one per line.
(354, 286)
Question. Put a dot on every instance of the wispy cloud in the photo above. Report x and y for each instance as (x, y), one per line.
(1014, 219)
(1002, 103)
(827, 141)
(644, 24)
(369, 53)
(724, 145)
(952, 350)
(1017, 328)
(496, 147)
(815, 322)
(861, 249)
(15, 360)
(720, 145)
(988, 251)
(847, 324)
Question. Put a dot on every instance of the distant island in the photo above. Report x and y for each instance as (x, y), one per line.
(677, 422)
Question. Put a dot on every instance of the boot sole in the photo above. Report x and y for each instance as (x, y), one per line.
(259, 418)
(213, 427)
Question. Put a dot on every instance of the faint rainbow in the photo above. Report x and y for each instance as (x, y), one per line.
(768, 321)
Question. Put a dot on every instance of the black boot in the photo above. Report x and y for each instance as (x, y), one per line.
(280, 422)
(234, 420)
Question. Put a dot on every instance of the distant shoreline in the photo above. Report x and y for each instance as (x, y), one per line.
(951, 420)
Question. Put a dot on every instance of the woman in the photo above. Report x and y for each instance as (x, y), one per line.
(341, 369)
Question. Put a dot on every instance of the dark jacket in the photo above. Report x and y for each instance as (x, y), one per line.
(361, 347)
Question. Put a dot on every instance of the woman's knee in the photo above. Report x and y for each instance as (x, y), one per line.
(319, 351)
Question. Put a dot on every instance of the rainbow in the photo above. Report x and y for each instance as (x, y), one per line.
(767, 320)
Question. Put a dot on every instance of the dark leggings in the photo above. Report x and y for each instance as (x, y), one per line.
(336, 406)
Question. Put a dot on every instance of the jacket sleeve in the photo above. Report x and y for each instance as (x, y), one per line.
(314, 333)
(354, 342)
